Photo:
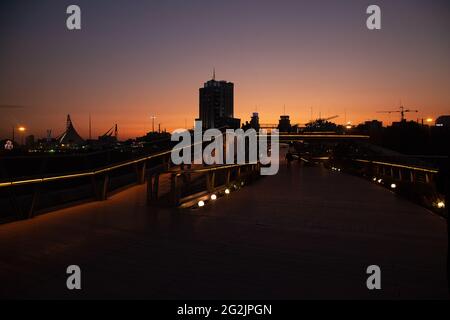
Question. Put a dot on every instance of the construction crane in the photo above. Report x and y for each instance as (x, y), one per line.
(402, 112)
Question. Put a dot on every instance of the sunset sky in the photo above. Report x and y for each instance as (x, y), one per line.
(135, 58)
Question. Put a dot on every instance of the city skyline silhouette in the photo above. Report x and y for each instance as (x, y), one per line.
(125, 66)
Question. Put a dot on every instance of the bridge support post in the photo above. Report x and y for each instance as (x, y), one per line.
(140, 173)
(254, 171)
(152, 188)
(166, 163)
(185, 175)
(149, 190)
(188, 175)
(101, 187)
(227, 177)
(34, 200)
(210, 181)
(175, 189)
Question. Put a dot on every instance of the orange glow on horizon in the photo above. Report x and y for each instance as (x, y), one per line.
(150, 59)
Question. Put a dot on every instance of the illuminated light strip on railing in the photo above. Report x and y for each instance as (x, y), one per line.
(215, 168)
(90, 173)
(345, 136)
(82, 174)
(398, 165)
(321, 132)
(113, 167)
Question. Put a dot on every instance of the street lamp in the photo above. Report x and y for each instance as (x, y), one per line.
(153, 123)
(22, 131)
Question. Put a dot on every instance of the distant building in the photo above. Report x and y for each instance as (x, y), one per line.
(217, 105)
(405, 124)
(284, 124)
(254, 121)
(373, 125)
(443, 121)
(373, 128)
(253, 124)
(29, 141)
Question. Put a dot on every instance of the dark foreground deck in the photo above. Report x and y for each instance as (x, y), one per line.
(305, 233)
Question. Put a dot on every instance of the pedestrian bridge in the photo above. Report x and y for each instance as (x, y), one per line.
(307, 232)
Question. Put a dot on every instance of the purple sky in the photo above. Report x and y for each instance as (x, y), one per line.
(134, 59)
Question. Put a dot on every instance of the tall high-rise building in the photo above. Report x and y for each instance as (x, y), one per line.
(217, 105)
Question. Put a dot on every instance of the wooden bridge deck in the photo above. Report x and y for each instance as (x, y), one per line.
(304, 233)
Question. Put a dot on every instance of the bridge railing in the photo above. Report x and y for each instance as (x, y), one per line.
(190, 185)
(23, 195)
(417, 183)
(400, 172)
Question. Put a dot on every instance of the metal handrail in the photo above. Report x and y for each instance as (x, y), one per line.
(396, 165)
(337, 136)
(92, 172)
(131, 162)
(211, 168)
(82, 173)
